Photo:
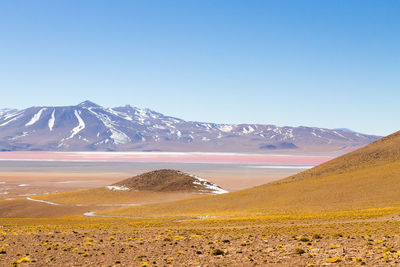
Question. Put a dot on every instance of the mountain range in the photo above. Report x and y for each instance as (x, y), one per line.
(90, 127)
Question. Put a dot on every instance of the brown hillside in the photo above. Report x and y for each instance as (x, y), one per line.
(368, 177)
(383, 151)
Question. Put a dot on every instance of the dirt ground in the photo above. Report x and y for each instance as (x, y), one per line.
(134, 243)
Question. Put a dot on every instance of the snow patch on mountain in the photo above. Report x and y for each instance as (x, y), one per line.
(120, 114)
(35, 117)
(13, 114)
(225, 128)
(78, 128)
(141, 115)
(13, 119)
(338, 134)
(5, 111)
(20, 136)
(117, 188)
(52, 121)
(156, 126)
(248, 129)
(117, 136)
(215, 189)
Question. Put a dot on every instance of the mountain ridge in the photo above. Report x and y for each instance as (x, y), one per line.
(90, 127)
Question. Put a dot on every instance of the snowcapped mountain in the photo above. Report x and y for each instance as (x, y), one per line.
(90, 127)
(5, 111)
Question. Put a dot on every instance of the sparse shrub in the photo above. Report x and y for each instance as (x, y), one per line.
(216, 252)
(23, 259)
(304, 239)
(333, 260)
(299, 251)
(358, 259)
(316, 236)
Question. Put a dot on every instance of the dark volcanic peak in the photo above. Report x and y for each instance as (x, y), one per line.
(168, 181)
(90, 127)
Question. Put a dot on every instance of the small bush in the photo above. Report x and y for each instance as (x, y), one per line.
(316, 236)
(23, 259)
(216, 252)
(333, 260)
(299, 251)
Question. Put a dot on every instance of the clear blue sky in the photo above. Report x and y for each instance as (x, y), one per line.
(315, 63)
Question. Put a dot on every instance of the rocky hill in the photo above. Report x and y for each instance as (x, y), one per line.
(166, 181)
